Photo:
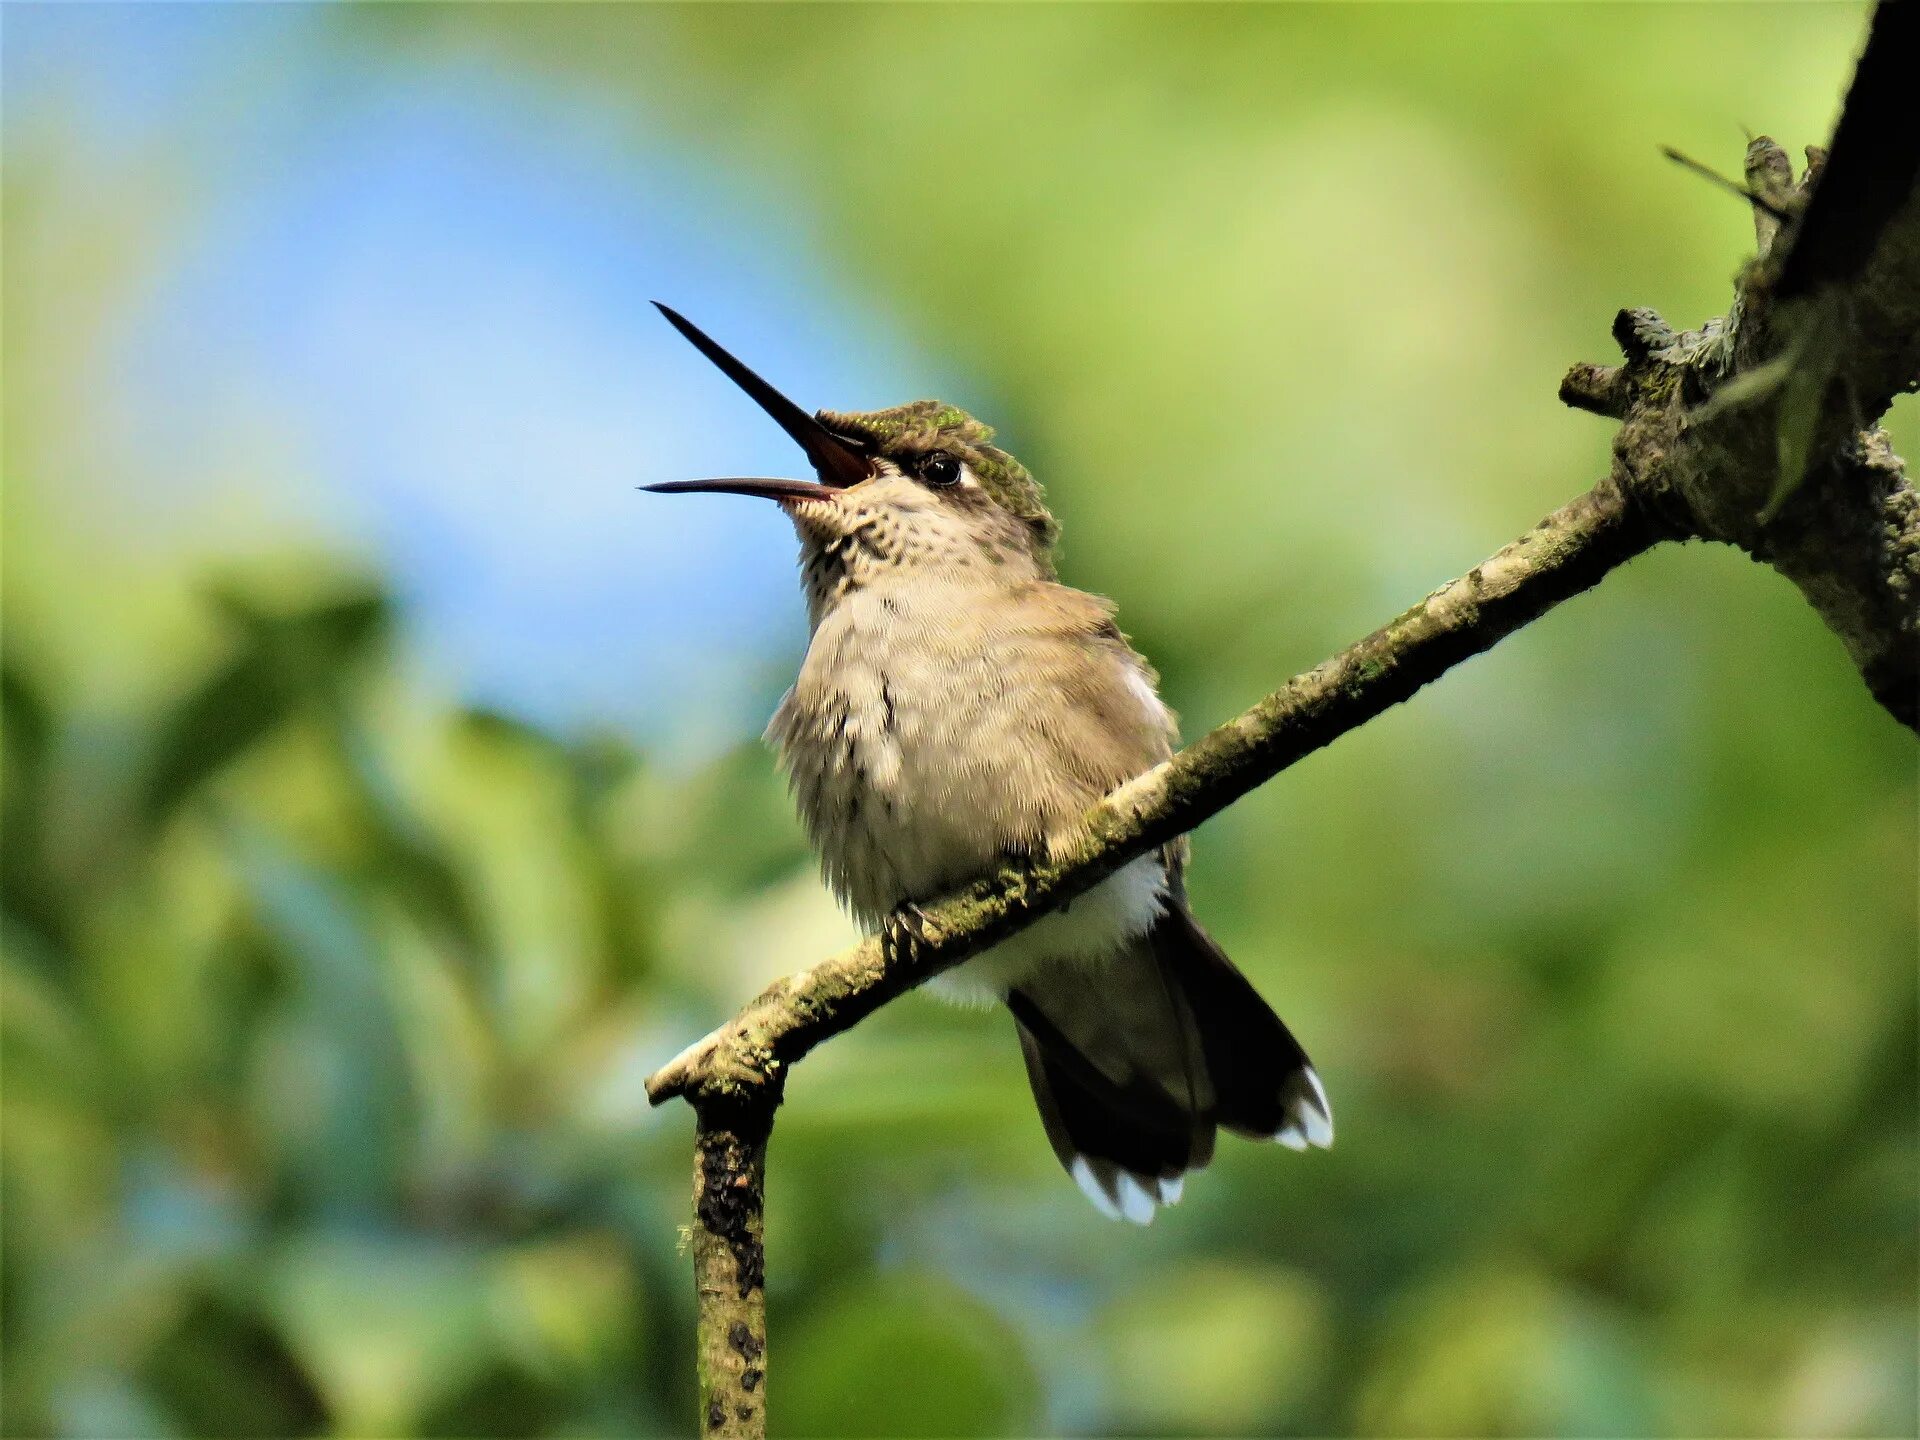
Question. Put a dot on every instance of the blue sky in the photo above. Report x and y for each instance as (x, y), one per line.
(436, 280)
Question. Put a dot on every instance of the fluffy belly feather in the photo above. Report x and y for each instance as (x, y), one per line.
(1086, 931)
(914, 771)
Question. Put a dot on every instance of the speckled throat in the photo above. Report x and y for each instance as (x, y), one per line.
(923, 425)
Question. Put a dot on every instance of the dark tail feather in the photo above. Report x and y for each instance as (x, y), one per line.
(1127, 1143)
(1266, 1086)
(1135, 1062)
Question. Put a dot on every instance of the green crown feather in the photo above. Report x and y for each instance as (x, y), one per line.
(913, 429)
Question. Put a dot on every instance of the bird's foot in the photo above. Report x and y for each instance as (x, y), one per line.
(904, 933)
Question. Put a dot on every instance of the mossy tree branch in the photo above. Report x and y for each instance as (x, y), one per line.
(729, 1265)
(734, 1078)
(1564, 554)
(1759, 430)
(1755, 430)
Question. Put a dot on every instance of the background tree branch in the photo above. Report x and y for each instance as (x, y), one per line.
(1757, 430)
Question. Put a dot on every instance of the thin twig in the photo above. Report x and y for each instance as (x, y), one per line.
(1707, 172)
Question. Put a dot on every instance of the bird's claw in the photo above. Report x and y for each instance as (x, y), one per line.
(904, 932)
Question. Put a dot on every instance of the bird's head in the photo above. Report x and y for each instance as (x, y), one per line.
(918, 486)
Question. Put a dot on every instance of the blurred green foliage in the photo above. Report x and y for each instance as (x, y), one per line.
(323, 1038)
(327, 1002)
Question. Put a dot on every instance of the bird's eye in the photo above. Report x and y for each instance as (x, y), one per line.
(939, 468)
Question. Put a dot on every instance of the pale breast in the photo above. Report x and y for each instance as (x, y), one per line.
(937, 728)
(896, 740)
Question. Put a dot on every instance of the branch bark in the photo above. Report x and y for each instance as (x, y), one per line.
(729, 1266)
(745, 1061)
(735, 1077)
(1756, 431)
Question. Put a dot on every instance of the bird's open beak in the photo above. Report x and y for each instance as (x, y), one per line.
(837, 460)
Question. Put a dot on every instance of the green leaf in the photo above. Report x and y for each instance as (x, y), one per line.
(567, 1306)
(903, 1355)
(32, 896)
(386, 1325)
(732, 826)
(222, 1371)
(407, 857)
(278, 663)
(1215, 1348)
(1507, 1351)
(332, 1081)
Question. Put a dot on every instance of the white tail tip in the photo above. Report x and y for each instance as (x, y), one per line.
(1133, 1198)
(1309, 1116)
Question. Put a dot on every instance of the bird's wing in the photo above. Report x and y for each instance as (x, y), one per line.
(1092, 713)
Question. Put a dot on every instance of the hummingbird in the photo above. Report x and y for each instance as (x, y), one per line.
(959, 708)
